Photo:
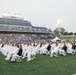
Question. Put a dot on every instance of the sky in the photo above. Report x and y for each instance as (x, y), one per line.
(44, 13)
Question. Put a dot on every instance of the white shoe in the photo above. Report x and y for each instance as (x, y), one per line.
(6, 58)
(23, 57)
(28, 59)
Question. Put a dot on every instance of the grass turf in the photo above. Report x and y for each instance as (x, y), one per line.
(43, 65)
(67, 37)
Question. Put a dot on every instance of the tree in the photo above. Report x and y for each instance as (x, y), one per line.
(70, 33)
(59, 31)
(65, 33)
(75, 33)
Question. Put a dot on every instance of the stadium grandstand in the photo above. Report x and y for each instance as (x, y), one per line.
(16, 29)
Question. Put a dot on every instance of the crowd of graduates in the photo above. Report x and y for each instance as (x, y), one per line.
(15, 52)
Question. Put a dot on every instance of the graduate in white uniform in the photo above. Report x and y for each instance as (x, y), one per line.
(26, 48)
(54, 50)
(13, 50)
(43, 49)
(60, 50)
(69, 48)
(31, 53)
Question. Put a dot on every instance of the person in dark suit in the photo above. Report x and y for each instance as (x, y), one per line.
(17, 56)
(49, 47)
(73, 46)
(65, 47)
(20, 51)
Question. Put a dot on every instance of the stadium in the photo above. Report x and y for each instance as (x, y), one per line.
(16, 29)
(28, 50)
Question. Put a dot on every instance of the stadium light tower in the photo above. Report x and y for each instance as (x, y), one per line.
(59, 22)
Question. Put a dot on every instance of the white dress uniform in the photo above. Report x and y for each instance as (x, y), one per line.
(31, 53)
(43, 49)
(13, 50)
(60, 50)
(14, 56)
(38, 48)
(25, 51)
(69, 48)
(54, 50)
(0, 47)
(4, 50)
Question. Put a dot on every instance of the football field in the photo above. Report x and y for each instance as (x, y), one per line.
(42, 65)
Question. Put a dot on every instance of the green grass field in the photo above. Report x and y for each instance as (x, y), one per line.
(43, 65)
(66, 37)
